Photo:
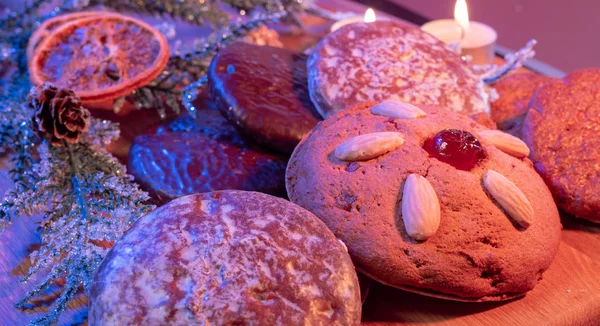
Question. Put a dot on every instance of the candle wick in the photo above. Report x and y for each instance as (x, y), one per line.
(462, 32)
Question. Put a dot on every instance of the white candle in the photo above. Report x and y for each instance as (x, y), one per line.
(470, 38)
(369, 17)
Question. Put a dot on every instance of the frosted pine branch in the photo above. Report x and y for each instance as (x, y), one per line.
(92, 202)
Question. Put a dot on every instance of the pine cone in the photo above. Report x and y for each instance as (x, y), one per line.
(58, 113)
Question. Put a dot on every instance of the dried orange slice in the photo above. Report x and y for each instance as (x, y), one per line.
(101, 57)
(50, 25)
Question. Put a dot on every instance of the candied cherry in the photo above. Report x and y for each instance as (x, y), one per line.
(458, 148)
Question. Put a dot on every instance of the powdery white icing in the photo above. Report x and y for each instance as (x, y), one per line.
(385, 59)
(228, 257)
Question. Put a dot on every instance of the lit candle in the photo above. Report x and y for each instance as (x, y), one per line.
(369, 17)
(467, 37)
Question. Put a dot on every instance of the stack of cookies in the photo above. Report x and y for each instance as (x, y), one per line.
(398, 182)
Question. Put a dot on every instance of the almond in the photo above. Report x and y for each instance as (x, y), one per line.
(507, 143)
(509, 196)
(420, 208)
(368, 146)
(397, 109)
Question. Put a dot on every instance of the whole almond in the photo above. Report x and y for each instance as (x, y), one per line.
(397, 109)
(420, 208)
(368, 146)
(507, 143)
(510, 197)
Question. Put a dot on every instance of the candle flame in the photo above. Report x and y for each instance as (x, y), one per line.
(370, 16)
(461, 13)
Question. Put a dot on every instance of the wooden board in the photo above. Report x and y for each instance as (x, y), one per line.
(568, 295)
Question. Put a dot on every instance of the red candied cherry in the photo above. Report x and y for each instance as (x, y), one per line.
(458, 148)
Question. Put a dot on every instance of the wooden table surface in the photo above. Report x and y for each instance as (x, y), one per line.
(569, 294)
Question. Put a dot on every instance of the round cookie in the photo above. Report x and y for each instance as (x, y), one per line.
(226, 258)
(263, 91)
(514, 94)
(207, 154)
(477, 249)
(387, 59)
(563, 131)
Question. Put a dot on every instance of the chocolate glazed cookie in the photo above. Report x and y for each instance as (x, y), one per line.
(188, 156)
(428, 201)
(263, 91)
(562, 129)
(226, 258)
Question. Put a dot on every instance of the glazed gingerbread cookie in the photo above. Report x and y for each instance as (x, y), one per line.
(428, 200)
(226, 258)
(189, 155)
(562, 129)
(375, 61)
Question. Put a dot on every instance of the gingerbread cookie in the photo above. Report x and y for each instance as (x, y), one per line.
(514, 94)
(263, 91)
(428, 200)
(206, 154)
(563, 131)
(226, 258)
(376, 61)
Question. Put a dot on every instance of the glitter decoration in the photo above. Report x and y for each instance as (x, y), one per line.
(190, 93)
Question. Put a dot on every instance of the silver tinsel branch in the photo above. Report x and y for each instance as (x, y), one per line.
(513, 62)
(190, 94)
